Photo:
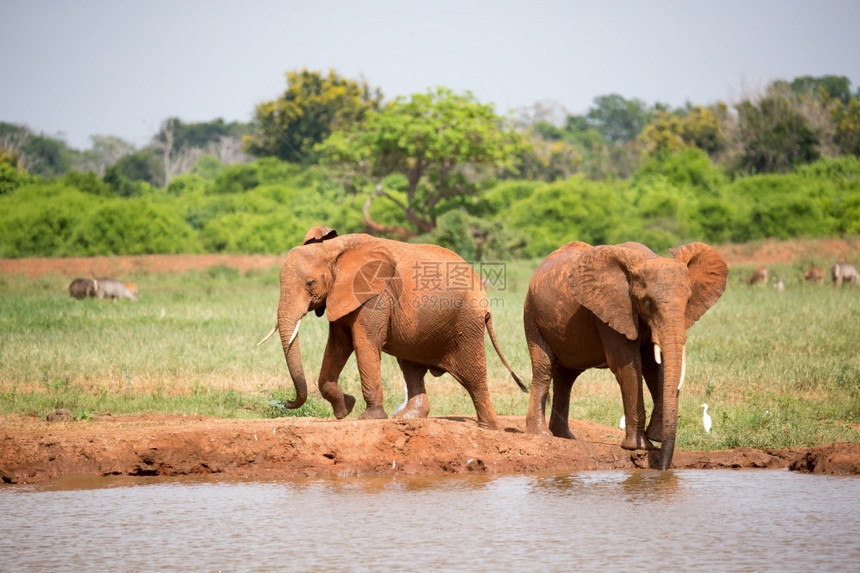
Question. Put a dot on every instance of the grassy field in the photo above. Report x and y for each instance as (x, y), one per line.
(778, 369)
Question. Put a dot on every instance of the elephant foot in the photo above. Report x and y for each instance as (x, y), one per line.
(417, 407)
(561, 430)
(342, 410)
(491, 424)
(374, 413)
(636, 442)
(537, 428)
(654, 433)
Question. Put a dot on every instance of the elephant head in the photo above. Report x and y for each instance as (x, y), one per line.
(640, 294)
(334, 276)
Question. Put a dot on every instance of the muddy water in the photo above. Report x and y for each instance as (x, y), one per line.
(715, 520)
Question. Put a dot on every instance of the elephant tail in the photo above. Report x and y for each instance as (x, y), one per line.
(488, 319)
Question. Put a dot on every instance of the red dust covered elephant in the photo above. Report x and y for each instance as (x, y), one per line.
(422, 304)
(624, 308)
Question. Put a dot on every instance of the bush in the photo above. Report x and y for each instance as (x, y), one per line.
(11, 178)
(563, 211)
(474, 239)
(36, 220)
(781, 206)
(88, 183)
(691, 168)
(131, 227)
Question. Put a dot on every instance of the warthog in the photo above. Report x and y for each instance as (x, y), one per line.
(111, 288)
(844, 272)
(82, 288)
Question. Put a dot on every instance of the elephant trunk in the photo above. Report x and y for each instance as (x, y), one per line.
(673, 371)
(288, 328)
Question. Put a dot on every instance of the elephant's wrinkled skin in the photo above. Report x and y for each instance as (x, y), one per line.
(420, 303)
(608, 307)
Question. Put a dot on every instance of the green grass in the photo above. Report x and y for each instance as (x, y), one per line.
(778, 369)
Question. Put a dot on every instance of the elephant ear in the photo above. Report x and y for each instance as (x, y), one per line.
(319, 234)
(600, 281)
(359, 274)
(708, 272)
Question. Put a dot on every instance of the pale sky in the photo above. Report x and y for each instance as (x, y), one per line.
(119, 67)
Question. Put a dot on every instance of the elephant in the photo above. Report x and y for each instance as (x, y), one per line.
(82, 288)
(111, 288)
(844, 272)
(814, 274)
(422, 304)
(621, 307)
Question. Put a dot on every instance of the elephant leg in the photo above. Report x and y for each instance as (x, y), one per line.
(625, 362)
(542, 360)
(369, 356)
(654, 380)
(471, 373)
(337, 352)
(562, 382)
(417, 403)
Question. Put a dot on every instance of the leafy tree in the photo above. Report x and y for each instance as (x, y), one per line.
(694, 127)
(618, 119)
(663, 134)
(443, 144)
(38, 154)
(104, 152)
(824, 87)
(313, 106)
(126, 175)
(181, 135)
(774, 135)
(847, 120)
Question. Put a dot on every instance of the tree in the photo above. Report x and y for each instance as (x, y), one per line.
(442, 143)
(126, 175)
(824, 87)
(312, 107)
(618, 119)
(694, 127)
(774, 135)
(105, 151)
(847, 119)
(38, 154)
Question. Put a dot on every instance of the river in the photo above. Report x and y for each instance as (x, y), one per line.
(712, 520)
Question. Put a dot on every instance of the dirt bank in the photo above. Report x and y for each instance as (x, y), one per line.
(33, 450)
(803, 252)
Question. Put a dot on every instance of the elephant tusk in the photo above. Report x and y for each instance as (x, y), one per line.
(295, 331)
(268, 336)
(657, 357)
(683, 366)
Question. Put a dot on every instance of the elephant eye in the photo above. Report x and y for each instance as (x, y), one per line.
(310, 282)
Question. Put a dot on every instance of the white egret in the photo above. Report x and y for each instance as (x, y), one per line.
(622, 423)
(706, 420)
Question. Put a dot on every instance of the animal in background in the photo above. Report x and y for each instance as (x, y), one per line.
(814, 274)
(844, 272)
(779, 284)
(759, 277)
(82, 288)
(131, 287)
(106, 287)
